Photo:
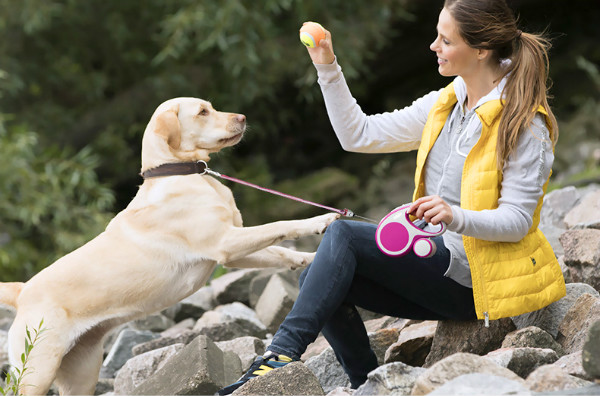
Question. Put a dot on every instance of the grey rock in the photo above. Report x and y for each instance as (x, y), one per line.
(155, 323)
(532, 337)
(394, 378)
(577, 322)
(233, 286)
(276, 301)
(591, 351)
(195, 305)
(550, 317)
(103, 387)
(328, 370)
(456, 365)
(582, 255)
(481, 384)
(341, 391)
(522, 361)
(557, 204)
(139, 368)
(586, 211)
(291, 379)
(3, 348)
(176, 329)
(230, 321)
(413, 344)
(381, 340)
(183, 337)
(200, 368)
(258, 284)
(572, 364)
(247, 348)
(467, 336)
(552, 378)
(121, 350)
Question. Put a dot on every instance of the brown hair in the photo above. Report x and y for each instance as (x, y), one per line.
(491, 25)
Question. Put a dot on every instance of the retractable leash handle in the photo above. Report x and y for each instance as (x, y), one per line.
(396, 235)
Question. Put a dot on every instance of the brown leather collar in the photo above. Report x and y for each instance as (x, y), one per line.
(177, 168)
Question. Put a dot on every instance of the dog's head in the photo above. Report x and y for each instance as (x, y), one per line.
(188, 129)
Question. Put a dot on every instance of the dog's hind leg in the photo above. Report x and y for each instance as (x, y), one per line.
(78, 373)
(43, 360)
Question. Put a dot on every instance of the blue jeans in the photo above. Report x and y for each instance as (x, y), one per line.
(348, 271)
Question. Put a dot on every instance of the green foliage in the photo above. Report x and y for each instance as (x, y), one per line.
(51, 202)
(14, 377)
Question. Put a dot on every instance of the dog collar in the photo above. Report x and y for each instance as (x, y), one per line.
(175, 169)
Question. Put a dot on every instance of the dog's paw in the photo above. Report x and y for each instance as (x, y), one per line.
(301, 260)
(323, 221)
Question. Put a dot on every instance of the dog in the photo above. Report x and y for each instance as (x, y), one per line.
(160, 249)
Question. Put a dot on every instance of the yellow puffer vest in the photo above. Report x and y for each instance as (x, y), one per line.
(508, 278)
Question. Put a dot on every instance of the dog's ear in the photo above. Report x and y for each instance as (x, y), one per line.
(168, 127)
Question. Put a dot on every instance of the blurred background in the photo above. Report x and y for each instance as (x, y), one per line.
(79, 80)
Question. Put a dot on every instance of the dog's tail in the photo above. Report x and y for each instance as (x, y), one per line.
(9, 292)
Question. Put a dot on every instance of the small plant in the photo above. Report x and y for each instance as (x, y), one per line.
(14, 376)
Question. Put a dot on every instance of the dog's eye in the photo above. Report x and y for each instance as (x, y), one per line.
(203, 112)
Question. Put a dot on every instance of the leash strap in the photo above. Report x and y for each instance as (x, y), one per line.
(201, 168)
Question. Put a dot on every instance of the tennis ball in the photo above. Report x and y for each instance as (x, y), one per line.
(311, 33)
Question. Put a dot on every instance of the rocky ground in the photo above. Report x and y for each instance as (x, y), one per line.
(209, 339)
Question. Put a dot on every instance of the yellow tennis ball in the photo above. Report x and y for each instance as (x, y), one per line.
(311, 33)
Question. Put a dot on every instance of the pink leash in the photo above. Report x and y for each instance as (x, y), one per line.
(343, 212)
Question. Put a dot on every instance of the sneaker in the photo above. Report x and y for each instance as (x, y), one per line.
(262, 365)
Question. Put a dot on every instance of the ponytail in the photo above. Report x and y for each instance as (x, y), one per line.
(525, 91)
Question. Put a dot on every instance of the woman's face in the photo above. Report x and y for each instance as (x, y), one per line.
(454, 56)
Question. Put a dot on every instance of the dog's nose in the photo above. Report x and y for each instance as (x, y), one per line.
(240, 118)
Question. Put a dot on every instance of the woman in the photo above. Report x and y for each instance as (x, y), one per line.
(485, 151)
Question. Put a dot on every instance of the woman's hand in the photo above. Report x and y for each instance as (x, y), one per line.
(323, 53)
(432, 209)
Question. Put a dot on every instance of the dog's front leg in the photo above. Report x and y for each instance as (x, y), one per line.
(239, 242)
(273, 256)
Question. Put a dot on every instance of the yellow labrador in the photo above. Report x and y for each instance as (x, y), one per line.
(160, 249)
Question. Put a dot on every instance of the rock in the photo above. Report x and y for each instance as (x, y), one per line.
(456, 365)
(258, 284)
(591, 351)
(230, 321)
(532, 337)
(557, 204)
(552, 378)
(587, 211)
(413, 344)
(394, 378)
(195, 305)
(104, 386)
(522, 361)
(582, 255)
(550, 317)
(178, 328)
(200, 368)
(384, 322)
(184, 337)
(577, 322)
(121, 350)
(3, 347)
(247, 348)
(233, 286)
(481, 384)
(155, 323)
(315, 348)
(139, 368)
(275, 302)
(572, 365)
(7, 316)
(381, 340)
(467, 336)
(328, 370)
(341, 391)
(291, 379)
